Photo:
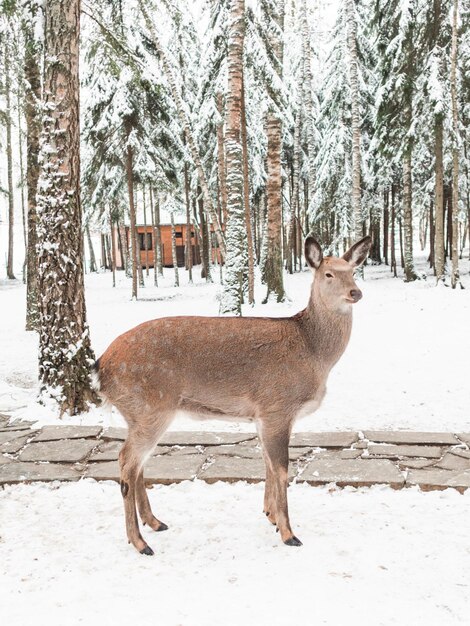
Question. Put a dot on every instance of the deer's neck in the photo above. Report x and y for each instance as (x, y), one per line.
(327, 332)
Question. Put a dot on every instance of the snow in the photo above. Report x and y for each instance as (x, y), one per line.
(370, 556)
(405, 366)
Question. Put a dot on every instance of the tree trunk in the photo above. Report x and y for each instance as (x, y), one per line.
(11, 208)
(205, 253)
(146, 245)
(32, 99)
(234, 261)
(173, 250)
(455, 277)
(355, 121)
(273, 267)
(246, 196)
(133, 234)
(308, 102)
(20, 97)
(113, 248)
(439, 247)
(65, 353)
(158, 262)
(431, 235)
(93, 267)
(221, 168)
(185, 124)
(410, 274)
(386, 225)
(188, 259)
(393, 257)
(272, 270)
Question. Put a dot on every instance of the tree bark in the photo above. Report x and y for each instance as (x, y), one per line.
(173, 250)
(11, 208)
(455, 277)
(32, 100)
(273, 269)
(189, 249)
(232, 295)
(439, 246)
(246, 196)
(221, 167)
(146, 245)
(355, 121)
(133, 233)
(204, 237)
(93, 267)
(113, 248)
(308, 102)
(393, 257)
(65, 353)
(410, 273)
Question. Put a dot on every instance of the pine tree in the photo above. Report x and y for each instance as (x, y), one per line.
(65, 354)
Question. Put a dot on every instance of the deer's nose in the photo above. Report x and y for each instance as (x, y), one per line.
(356, 294)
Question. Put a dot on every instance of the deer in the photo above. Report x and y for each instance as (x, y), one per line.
(270, 371)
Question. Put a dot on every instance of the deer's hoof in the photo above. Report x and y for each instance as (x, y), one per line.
(162, 526)
(148, 551)
(293, 541)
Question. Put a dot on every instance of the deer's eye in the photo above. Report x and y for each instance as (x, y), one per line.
(328, 275)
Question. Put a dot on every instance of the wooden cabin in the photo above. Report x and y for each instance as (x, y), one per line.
(147, 256)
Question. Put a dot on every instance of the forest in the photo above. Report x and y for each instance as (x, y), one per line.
(251, 123)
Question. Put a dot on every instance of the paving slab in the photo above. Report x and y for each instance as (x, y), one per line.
(410, 437)
(13, 473)
(452, 461)
(245, 452)
(415, 463)
(180, 451)
(355, 472)
(172, 469)
(13, 446)
(9, 434)
(324, 440)
(350, 454)
(231, 469)
(107, 451)
(64, 451)
(465, 437)
(296, 453)
(54, 433)
(204, 438)
(6, 429)
(5, 459)
(429, 479)
(395, 451)
(114, 433)
(103, 471)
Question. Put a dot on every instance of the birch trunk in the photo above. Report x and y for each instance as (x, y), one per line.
(439, 247)
(356, 122)
(234, 261)
(308, 101)
(455, 277)
(65, 353)
(11, 208)
(246, 196)
(133, 236)
(189, 250)
(410, 274)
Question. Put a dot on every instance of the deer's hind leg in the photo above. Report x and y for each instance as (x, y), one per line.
(140, 443)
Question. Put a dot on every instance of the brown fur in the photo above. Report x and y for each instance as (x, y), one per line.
(270, 370)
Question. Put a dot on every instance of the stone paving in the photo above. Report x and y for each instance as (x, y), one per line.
(396, 458)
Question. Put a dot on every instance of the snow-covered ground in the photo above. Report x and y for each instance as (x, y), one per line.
(370, 556)
(406, 366)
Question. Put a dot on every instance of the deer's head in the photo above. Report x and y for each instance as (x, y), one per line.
(334, 284)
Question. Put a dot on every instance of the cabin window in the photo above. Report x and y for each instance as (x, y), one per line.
(142, 241)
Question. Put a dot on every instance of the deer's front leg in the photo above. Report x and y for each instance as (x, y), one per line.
(276, 449)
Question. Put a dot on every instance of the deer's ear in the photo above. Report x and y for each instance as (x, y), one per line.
(313, 253)
(356, 255)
